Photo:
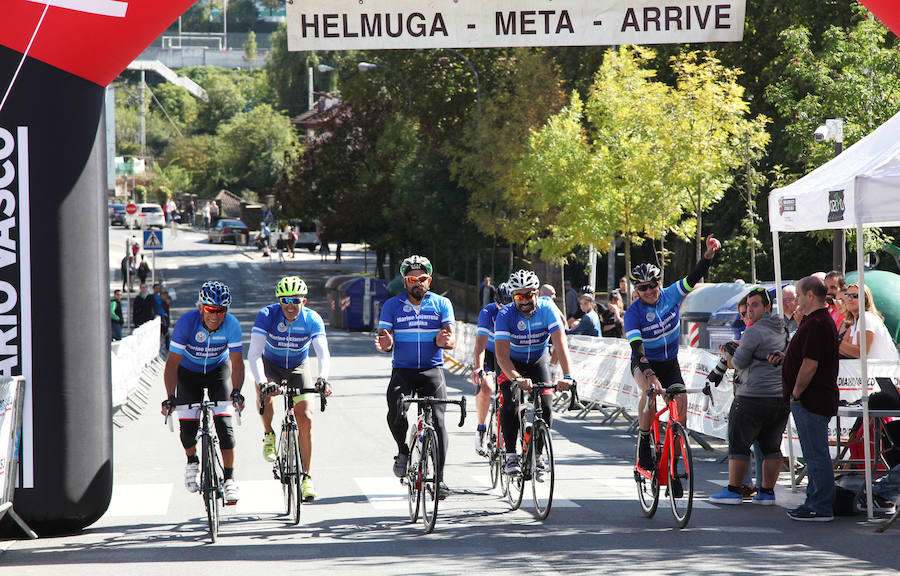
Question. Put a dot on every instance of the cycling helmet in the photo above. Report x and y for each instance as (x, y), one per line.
(587, 289)
(215, 294)
(290, 286)
(644, 273)
(522, 280)
(502, 296)
(415, 263)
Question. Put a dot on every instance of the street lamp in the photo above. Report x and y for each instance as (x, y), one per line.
(322, 68)
(833, 131)
(365, 66)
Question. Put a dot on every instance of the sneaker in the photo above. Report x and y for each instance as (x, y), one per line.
(307, 490)
(764, 499)
(804, 514)
(481, 442)
(676, 488)
(400, 461)
(192, 476)
(232, 493)
(726, 496)
(645, 455)
(540, 468)
(512, 465)
(748, 492)
(443, 491)
(269, 447)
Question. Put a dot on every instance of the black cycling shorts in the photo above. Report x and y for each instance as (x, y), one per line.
(191, 385)
(295, 377)
(667, 371)
(490, 362)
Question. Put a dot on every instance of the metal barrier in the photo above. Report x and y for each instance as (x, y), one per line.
(136, 366)
(12, 400)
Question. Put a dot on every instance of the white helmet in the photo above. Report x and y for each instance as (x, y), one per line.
(522, 280)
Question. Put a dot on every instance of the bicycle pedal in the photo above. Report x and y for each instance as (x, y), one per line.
(231, 502)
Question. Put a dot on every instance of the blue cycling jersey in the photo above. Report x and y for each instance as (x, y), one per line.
(486, 320)
(415, 328)
(201, 350)
(287, 343)
(658, 325)
(528, 337)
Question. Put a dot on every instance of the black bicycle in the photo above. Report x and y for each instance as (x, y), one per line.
(288, 466)
(423, 472)
(211, 470)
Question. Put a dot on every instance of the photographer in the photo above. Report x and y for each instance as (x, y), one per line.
(758, 412)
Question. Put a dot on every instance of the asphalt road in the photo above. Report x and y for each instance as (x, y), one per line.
(360, 523)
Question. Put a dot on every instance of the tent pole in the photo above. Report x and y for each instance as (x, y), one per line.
(863, 368)
(776, 251)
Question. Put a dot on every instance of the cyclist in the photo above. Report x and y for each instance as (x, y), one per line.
(521, 335)
(484, 366)
(279, 344)
(652, 328)
(418, 324)
(206, 352)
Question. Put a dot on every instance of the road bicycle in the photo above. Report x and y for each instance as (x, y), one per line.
(536, 462)
(287, 467)
(674, 467)
(211, 470)
(496, 448)
(423, 471)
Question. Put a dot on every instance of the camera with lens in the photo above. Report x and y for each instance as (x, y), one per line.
(718, 372)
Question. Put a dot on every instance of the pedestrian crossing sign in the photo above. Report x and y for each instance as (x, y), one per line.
(153, 240)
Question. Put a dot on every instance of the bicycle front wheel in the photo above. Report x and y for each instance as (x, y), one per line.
(514, 484)
(493, 448)
(209, 487)
(648, 489)
(414, 480)
(681, 476)
(431, 479)
(543, 470)
(295, 477)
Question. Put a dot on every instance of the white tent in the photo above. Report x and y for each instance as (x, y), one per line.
(858, 188)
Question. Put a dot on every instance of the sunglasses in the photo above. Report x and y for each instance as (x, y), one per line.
(645, 287)
(854, 296)
(291, 300)
(420, 279)
(217, 310)
(526, 296)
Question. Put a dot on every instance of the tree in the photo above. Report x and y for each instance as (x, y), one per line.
(251, 50)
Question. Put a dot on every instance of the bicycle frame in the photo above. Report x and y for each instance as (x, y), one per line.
(664, 461)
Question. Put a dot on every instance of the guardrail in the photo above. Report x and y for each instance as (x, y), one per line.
(135, 362)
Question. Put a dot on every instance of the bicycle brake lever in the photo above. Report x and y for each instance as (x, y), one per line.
(462, 412)
(323, 401)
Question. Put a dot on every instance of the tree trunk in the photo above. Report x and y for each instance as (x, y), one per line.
(699, 219)
(750, 191)
(662, 259)
(627, 239)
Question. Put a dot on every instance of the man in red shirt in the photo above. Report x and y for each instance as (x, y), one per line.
(835, 284)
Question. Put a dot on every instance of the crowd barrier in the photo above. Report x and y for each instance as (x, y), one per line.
(12, 400)
(130, 356)
(601, 366)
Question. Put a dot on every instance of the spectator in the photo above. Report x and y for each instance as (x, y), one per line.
(789, 298)
(143, 270)
(611, 324)
(809, 380)
(144, 307)
(623, 287)
(548, 292)
(213, 213)
(589, 325)
(758, 412)
(748, 488)
(337, 251)
(879, 344)
(834, 284)
(128, 273)
(171, 210)
(287, 240)
(191, 213)
(324, 250)
(159, 306)
(207, 215)
(135, 246)
(115, 315)
(576, 315)
(571, 300)
(488, 292)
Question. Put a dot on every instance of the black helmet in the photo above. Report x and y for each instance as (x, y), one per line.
(644, 273)
(502, 296)
(587, 289)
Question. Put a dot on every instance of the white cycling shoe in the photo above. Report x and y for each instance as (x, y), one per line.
(232, 492)
(192, 476)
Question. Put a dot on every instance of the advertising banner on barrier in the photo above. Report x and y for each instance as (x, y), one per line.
(404, 24)
(9, 389)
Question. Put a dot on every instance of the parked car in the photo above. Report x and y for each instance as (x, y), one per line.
(117, 214)
(229, 230)
(307, 233)
(147, 216)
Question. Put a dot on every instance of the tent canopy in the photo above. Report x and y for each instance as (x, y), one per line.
(859, 186)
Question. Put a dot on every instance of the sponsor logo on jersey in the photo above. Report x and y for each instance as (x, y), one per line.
(407, 308)
(282, 327)
(650, 316)
(521, 325)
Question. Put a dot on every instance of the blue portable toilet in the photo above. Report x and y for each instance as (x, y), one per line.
(361, 299)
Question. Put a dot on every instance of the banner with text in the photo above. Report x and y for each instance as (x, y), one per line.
(405, 24)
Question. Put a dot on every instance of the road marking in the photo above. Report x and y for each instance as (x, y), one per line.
(558, 501)
(213, 265)
(232, 265)
(384, 493)
(139, 500)
(258, 496)
(254, 266)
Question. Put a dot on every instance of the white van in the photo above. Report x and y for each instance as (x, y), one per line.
(307, 234)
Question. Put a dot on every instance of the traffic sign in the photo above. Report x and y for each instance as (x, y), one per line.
(153, 240)
(131, 209)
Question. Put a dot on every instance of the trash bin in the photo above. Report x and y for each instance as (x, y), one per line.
(361, 300)
(335, 314)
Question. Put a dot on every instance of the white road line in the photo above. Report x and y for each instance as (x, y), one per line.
(383, 493)
(259, 496)
(139, 500)
(213, 265)
(233, 265)
(558, 501)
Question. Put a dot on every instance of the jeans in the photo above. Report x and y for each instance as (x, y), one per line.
(812, 430)
(116, 330)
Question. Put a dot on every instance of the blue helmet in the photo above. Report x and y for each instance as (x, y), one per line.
(215, 293)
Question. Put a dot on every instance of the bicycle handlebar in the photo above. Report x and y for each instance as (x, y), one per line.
(651, 392)
(573, 399)
(201, 405)
(432, 400)
(271, 387)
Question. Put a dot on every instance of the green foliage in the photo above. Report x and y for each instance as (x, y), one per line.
(198, 156)
(251, 50)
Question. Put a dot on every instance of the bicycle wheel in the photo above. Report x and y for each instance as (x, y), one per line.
(515, 484)
(648, 489)
(681, 469)
(543, 473)
(431, 479)
(493, 448)
(285, 466)
(209, 488)
(295, 478)
(414, 480)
